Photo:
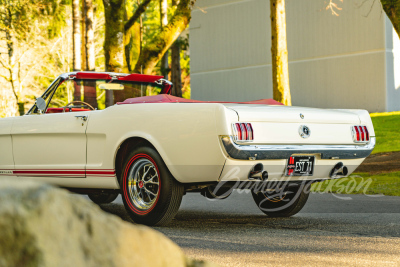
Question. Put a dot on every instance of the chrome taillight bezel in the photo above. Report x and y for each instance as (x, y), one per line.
(246, 133)
(360, 134)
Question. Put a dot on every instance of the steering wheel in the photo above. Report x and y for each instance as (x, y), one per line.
(76, 102)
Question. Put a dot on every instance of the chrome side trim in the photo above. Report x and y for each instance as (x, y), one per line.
(260, 152)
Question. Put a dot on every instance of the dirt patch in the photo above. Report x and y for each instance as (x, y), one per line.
(381, 163)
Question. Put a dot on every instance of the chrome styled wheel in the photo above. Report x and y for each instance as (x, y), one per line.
(151, 195)
(143, 184)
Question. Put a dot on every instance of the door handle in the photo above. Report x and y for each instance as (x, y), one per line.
(83, 117)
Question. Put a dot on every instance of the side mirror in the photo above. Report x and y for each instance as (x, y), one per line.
(41, 104)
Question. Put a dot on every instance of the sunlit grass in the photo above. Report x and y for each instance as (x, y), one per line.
(362, 183)
(387, 131)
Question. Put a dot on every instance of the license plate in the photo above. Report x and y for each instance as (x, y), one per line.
(300, 166)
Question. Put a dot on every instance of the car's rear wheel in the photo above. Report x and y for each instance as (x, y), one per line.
(150, 193)
(103, 197)
(284, 202)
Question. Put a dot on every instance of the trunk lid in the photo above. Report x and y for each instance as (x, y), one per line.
(283, 124)
(292, 114)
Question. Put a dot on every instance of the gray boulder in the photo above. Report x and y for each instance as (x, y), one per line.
(45, 226)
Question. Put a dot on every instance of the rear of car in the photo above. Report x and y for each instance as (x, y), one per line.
(294, 143)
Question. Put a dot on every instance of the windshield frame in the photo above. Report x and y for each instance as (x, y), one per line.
(164, 84)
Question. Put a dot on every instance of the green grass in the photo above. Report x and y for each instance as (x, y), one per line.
(362, 183)
(387, 131)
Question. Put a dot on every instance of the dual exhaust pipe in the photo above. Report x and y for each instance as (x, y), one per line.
(339, 171)
(258, 173)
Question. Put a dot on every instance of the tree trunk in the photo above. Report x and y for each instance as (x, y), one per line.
(21, 108)
(132, 45)
(90, 95)
(83, 40)
(133, 37)
(114, 41)
(163, 23)
(89, 36)
(76, 36)
(392, 10)
(176, 69)
(280, 69)
(154, 50)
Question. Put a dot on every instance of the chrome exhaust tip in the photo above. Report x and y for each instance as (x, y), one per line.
(258, 173)
(339, 171)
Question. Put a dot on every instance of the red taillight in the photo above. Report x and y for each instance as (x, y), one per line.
(250, 131)
(239, 131)
(244, 131)
(360, 133)
(358, 137)
(361, 128)
(366, 133)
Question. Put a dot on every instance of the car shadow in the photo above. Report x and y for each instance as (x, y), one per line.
(195, 220)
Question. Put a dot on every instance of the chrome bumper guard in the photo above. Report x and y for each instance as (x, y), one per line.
(260, 152)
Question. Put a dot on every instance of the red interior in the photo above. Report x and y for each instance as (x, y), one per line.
(60, 110)
(163, 98)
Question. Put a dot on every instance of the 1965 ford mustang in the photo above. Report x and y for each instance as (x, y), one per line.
(152, 147)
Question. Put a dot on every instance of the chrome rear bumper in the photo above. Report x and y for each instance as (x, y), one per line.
(260, 152)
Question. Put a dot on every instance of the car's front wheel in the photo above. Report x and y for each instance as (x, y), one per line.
(283, 202)
(150, 193)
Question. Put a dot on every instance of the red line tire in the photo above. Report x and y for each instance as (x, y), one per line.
(150, 193)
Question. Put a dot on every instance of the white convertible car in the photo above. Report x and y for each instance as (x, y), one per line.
(152, 147)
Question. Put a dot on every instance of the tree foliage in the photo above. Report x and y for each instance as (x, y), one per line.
(26, 26)
(392, 10)
(134, 47)
(36, 42)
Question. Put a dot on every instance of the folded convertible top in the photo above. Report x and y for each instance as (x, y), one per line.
(163, 98)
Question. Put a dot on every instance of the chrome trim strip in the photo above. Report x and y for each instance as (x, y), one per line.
(260, 152)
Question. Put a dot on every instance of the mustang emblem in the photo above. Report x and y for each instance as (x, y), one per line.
(304, 131)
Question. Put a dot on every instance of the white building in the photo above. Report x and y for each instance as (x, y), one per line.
(346, 61)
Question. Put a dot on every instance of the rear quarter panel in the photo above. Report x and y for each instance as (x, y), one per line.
(186, 135)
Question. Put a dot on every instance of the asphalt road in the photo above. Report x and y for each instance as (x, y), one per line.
(329, 230)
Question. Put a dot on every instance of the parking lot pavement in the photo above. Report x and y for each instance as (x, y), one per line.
(330, 230)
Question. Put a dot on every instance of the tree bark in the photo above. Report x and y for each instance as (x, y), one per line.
(90, 95)
(280, 69)
(163, 23)
(138, 12)
(392, 10)
(21, 108)
(114, 41)
(76, 36)
(133, 38)
(133, 35)
(83, 39)
(89, 36)
(154, 50)
(176, 73)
